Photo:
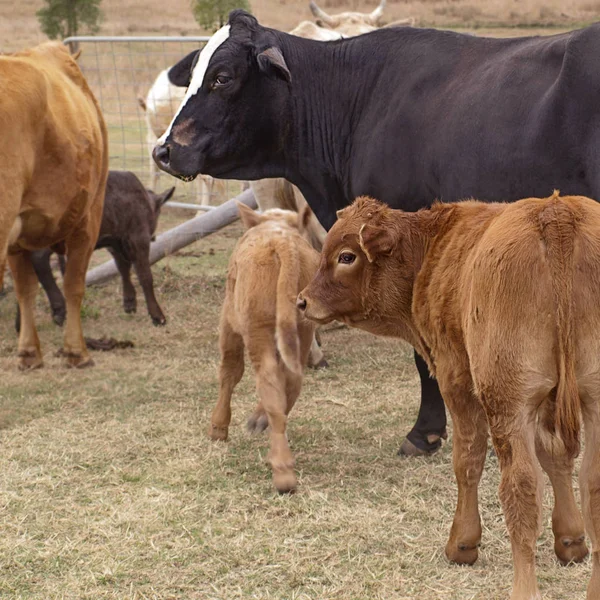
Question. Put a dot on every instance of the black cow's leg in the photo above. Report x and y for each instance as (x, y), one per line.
(41, 263)
(426, 435)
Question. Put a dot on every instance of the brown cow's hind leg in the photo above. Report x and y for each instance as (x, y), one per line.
(589, 480)
(567, 523)
(231, 370)
(26, 287)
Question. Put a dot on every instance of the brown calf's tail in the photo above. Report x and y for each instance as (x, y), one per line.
(286, 324)
(559, 234)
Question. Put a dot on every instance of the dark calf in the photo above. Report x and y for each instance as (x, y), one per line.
(128, 223)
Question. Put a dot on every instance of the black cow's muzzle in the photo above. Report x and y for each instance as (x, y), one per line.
(162, 157)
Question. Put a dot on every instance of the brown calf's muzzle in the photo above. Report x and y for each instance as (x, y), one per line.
(311, 307)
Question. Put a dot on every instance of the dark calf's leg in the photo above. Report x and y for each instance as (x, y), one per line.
(41, 263)
(124, 266)
(144, 273)
(426, 435)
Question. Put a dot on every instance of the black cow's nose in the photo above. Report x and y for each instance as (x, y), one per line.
(161, 155)
(301, 303)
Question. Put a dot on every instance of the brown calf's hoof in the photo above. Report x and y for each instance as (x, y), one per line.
(30, 360)
(462, 554)
(161, 320)
(285, 481)
(257, 422)
(218, 434)
(570, 550)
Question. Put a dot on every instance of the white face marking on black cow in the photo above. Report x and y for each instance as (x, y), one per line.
(198, 74)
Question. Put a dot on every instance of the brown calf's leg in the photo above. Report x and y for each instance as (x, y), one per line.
(589, 483)
(231, 370)
(144, 273)
(567, 523)
(80, 246)
(124, 266)
(521, 488)
(26, 287)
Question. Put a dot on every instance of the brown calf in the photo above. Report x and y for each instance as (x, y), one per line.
(270, 264)
(54, 159)
(502, 301)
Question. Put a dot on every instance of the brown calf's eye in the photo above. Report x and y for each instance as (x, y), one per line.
(346, 258)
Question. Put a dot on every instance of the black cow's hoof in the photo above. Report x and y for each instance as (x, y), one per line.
(59, 317)
(129, 309)
(159, 321)
(417, 446)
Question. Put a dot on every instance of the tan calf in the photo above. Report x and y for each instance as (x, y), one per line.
(54, 163)
(270, 264)
(502, 301)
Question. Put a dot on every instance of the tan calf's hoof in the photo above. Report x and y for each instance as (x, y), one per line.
(285, 481)
(77, 361)
(570, 550)
(218, 434)
(30, 360)
(462, 554)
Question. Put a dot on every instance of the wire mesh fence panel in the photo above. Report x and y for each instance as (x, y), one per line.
(128, 77)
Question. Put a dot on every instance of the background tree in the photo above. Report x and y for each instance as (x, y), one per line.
(65, 18)
(212, 14)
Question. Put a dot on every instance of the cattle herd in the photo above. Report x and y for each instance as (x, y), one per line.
(409, 185)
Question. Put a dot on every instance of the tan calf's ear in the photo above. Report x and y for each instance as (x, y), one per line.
(375, 241)
(304, 215)
(249, 217)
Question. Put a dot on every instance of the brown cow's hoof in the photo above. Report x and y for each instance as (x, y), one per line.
(30, 360)
(257, 422)
(218, 434)
(77, 361)
(159, 320)
(462, 554)
(570, 550)
(285, 482)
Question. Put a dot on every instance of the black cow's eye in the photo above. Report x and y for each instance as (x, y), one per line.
(222, 80)
(346, 258)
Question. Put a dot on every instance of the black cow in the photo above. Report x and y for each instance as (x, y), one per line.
(404, 115)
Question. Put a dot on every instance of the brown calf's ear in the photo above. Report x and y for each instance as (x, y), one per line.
(375, 241)
(249, 217)
(271, 61)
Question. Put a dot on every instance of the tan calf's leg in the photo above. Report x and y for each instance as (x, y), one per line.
(589, 483)
(469, 448)
(80, 246)
(231, 370)
(567, 523)
(26, 287)
(271, 387)
(521, 489)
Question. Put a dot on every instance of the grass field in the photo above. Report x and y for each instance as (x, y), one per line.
(110, 488)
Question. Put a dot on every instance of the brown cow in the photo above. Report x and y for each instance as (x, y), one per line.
(54, 165)
(502, 301)
(270, 264)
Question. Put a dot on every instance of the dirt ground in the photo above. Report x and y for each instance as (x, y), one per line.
(110, 488)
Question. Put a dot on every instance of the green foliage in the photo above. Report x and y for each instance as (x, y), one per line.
(212, 14)
(65, 18)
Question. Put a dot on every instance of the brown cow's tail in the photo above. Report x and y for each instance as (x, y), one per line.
(286, 325)
(559, 235)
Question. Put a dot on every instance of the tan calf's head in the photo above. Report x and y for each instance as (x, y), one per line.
(367, 270)
(276, 218)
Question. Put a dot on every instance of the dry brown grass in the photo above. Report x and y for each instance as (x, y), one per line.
(110, 488)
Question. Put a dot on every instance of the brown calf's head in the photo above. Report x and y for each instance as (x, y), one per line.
(367, 271)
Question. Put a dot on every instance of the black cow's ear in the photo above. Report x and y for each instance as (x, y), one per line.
(180, 73)
(271, 61)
